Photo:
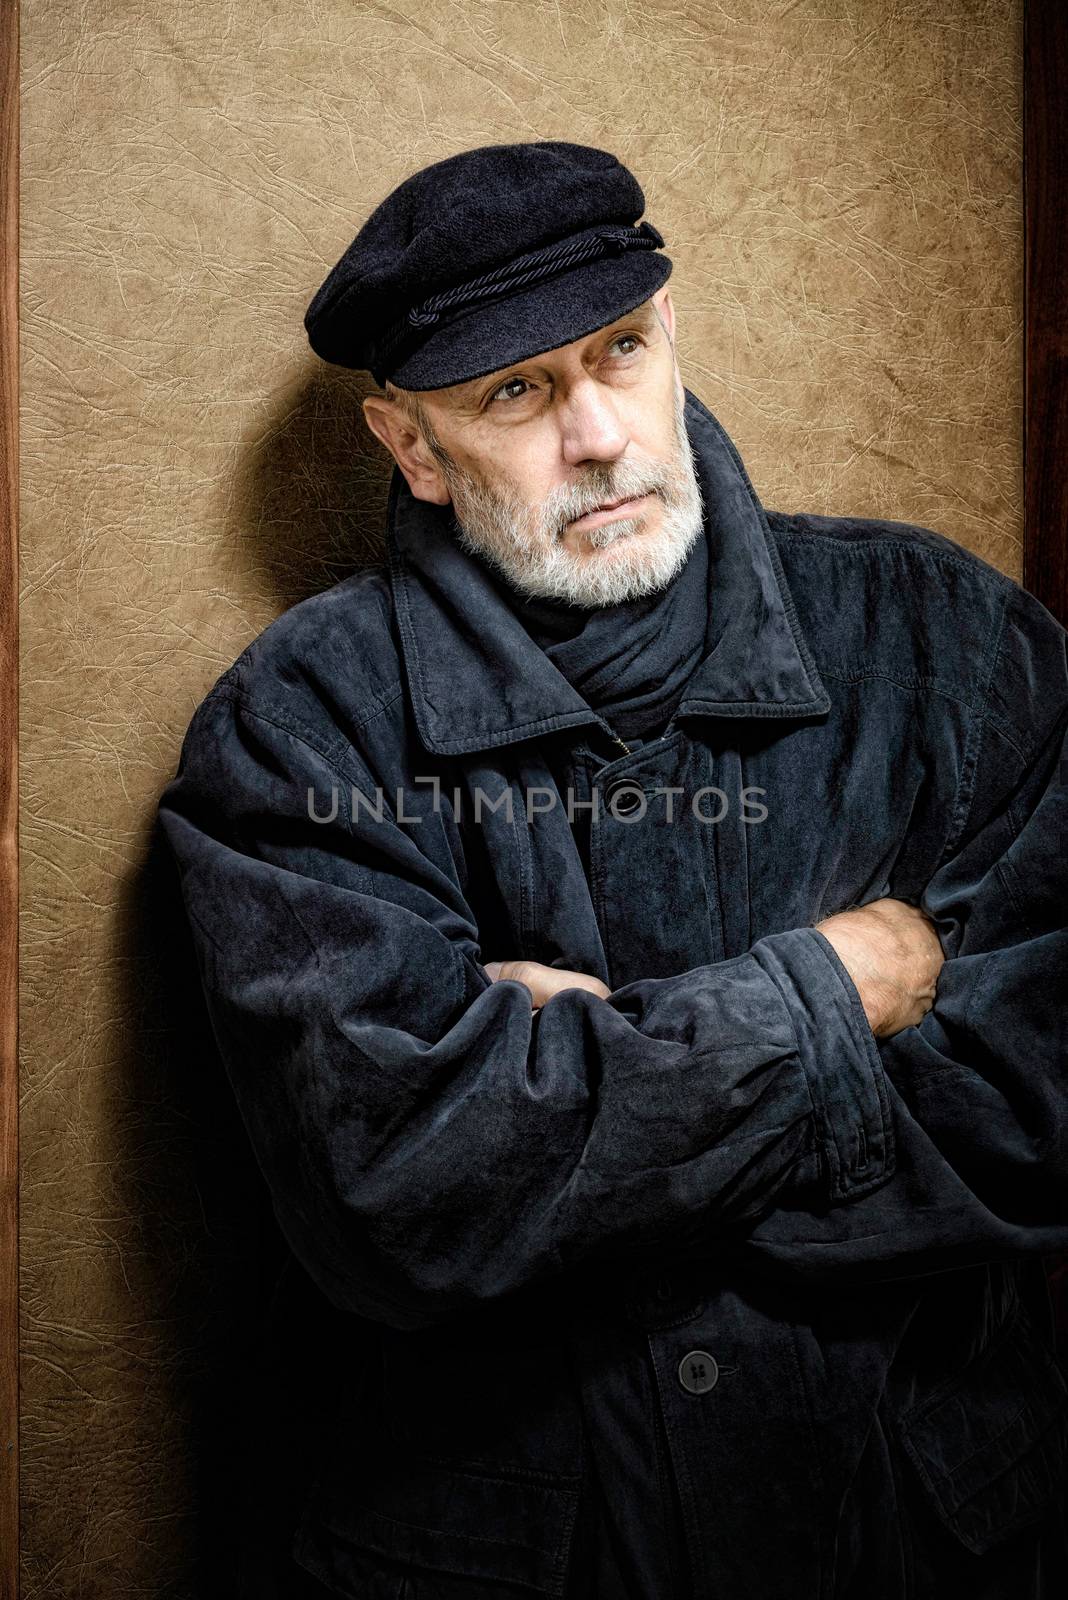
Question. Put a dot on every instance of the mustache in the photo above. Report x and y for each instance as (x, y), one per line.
(564, 504)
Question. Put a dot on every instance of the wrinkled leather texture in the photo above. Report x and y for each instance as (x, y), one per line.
(840, 190)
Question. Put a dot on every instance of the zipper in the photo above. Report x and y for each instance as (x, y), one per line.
(615, 737)
(622, 745)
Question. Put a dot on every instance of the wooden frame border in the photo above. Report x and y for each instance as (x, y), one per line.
(1045, 445)
(1045, 426)
(9, 790)
(1045, 182)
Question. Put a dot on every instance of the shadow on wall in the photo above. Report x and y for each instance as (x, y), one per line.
(310, 492)
(243, 1332)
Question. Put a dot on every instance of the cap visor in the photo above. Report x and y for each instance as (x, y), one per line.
(557, 311)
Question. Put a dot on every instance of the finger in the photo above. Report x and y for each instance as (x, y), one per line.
(543, 982)
(582, 980)
(554, 980)
(529, 973)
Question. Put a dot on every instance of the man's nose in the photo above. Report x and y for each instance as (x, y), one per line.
(591, 427)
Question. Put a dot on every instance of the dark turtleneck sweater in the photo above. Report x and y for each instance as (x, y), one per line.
(632, 661)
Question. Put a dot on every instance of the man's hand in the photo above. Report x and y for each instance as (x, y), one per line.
(544, 981)
(891, 952)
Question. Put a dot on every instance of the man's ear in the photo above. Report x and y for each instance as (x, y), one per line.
(405, 443)
(662, 302)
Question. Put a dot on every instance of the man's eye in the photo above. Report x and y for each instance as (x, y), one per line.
(625, 338)
(507, 384)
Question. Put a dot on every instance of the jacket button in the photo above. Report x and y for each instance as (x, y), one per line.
(698, 1372)
(624, 798)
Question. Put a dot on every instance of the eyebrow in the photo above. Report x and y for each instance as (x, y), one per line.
(644, 315)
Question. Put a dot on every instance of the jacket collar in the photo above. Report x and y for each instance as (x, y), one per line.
(478, 680)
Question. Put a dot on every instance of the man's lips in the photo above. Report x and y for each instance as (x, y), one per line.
(611, 512)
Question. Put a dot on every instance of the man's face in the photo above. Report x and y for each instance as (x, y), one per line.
(527, 454)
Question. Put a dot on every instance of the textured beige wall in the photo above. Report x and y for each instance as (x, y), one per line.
(838, 183)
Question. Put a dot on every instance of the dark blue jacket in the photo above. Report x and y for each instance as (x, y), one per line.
(768, 1287)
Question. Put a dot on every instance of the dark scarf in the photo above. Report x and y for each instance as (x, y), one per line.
(631, 662)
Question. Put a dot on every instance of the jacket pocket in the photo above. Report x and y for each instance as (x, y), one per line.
(380, 1508)
(990, 1446)
(362, 1529)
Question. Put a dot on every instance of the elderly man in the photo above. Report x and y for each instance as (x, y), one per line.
(633, 925)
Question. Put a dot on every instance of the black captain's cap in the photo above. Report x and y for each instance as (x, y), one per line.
(487, 258)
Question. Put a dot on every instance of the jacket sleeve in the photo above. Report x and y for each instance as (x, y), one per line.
(979, 1090)
(428, 1143)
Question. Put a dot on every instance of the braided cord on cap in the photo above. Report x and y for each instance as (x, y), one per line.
(519, 273)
